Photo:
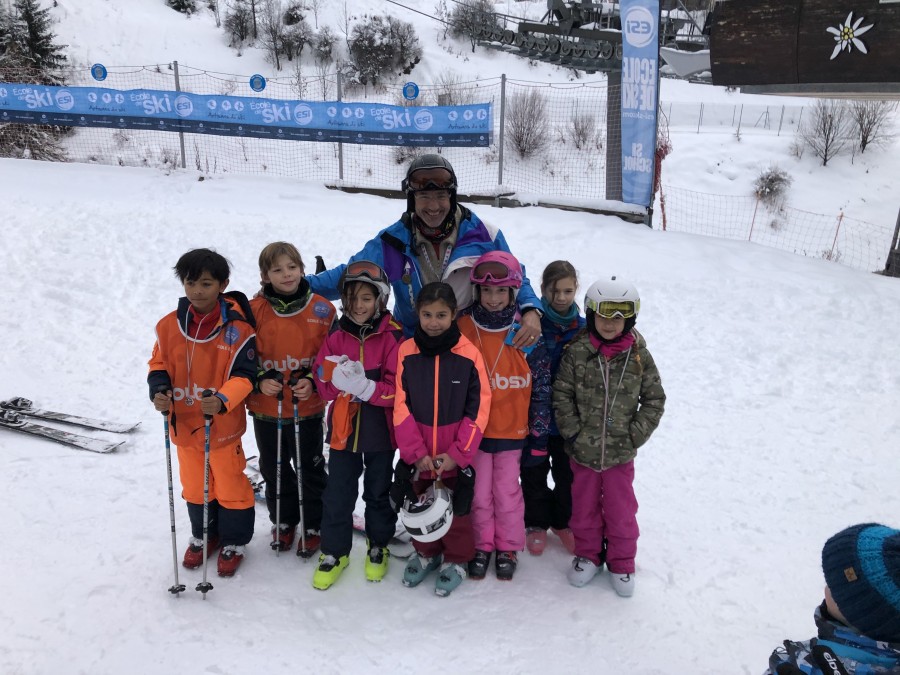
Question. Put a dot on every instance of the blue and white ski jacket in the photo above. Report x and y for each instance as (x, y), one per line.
(837, 649)
(392, 249)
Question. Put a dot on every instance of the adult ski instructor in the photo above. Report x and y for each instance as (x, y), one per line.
(436, 239)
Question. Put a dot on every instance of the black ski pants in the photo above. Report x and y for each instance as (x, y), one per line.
(232, 526)
(546, 507)
(344, 470)
(312, 466)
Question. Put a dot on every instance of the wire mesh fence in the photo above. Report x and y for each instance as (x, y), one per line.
(571, 119)
(838, 238)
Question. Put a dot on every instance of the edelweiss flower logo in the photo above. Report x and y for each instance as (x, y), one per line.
(847, 36)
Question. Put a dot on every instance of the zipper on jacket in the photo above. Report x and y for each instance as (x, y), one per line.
(360, 409)
(434, 420)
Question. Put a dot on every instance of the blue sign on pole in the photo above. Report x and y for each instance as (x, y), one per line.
(98, 72)
(257, 82)
(410, 91)
(640, 85)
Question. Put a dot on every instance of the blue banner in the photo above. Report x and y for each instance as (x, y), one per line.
(335, 121)
(640, 83)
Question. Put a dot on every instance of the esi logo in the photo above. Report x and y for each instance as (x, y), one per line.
(65, 100)
(303, 114)
(423, 120)
(639, 26)
(183, 106)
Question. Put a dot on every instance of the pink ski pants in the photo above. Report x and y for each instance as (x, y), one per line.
(604, 507)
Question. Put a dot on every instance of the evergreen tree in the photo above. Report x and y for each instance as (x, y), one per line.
(31, 37)
(29, 55)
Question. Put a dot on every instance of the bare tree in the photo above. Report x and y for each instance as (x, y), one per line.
(324, 78)
(826, 129)
(238, 22)
(581, 129)
(527, 123)
(451, 90)
(316, 7)
(471, 18)
(871, 120)
(272, 31)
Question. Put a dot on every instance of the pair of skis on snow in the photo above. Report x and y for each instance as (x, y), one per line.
(15, 411)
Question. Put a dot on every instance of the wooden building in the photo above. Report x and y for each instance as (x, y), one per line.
(808, 47)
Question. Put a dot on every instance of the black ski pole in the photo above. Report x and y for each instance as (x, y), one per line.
(204, 586)
(295, 378)
(276, 543)
(178, 587)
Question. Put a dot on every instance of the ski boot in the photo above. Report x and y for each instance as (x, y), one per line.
(582, 571)
(535, 540)
(566, 537)
(313, 541)
(285, 537)
(479, 564)
(506, 565)
(623, 584)
(418, 568)
(230, 558)
(450, 577)
(376, 563)
(193, 556)
(328, 571)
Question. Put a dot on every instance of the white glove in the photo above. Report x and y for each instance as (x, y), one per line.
(350, 377)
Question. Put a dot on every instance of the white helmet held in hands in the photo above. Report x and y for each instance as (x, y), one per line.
(430, 517)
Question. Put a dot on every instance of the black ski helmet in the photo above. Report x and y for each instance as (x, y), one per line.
(432, 167)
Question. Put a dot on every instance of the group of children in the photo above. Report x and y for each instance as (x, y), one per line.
(479, 423)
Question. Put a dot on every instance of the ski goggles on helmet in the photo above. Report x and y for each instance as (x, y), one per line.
(432, 194)
(364, 268)
(609, 309)
(429, 179)
(495, 273)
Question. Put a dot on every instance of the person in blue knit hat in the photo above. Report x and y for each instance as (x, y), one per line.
(859, 620)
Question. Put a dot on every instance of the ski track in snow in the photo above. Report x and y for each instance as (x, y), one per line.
(779, 429)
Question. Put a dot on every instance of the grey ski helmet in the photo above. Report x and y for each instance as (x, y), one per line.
(434, 173)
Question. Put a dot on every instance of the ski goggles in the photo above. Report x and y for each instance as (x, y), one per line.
(609, 309)
(429, 179)
(433, 194)
(493, 272)
(364, 268)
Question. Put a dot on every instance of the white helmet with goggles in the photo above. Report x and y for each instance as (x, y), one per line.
(429, 518)
(370, 273)
(611, 298)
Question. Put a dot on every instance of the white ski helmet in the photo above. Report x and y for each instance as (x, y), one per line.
(370, 273)
(430, 517)
(612, 298)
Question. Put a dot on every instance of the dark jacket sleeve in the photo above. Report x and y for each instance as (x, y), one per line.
(540, 407)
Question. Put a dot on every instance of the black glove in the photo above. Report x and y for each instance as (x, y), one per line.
(272, 374)
(401, 488)
(464, 492)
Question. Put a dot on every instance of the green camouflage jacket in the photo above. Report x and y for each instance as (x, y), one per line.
(604, 409)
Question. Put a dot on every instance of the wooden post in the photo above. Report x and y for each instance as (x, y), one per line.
(837, 231)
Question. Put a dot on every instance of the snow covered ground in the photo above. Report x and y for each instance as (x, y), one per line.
(781, 424)
(780, 429)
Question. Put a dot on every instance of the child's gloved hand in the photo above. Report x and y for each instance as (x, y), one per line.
(351, 378)
(401, 488)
